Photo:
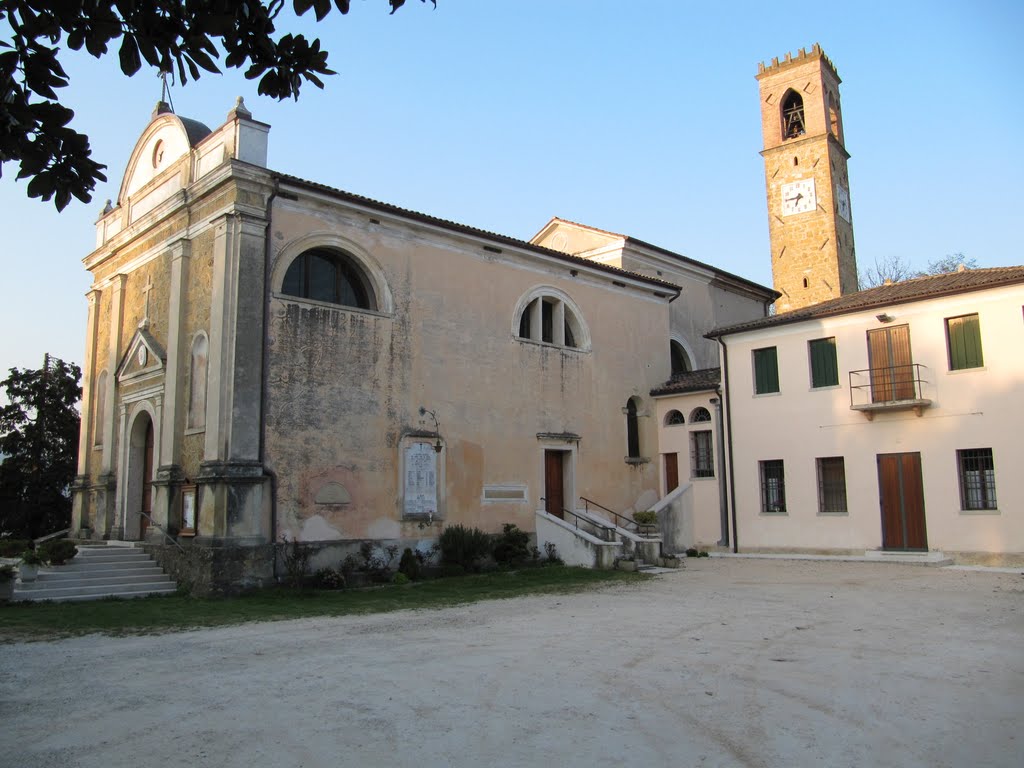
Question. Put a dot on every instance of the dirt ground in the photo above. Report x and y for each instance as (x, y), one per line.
(724, 663)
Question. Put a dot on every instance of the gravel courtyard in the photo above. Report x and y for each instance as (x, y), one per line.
(725, 663)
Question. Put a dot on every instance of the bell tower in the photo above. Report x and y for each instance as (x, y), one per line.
(809, 219)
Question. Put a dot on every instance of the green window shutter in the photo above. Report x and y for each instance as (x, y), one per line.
(766, 370)
(824, 365)
(964, 334)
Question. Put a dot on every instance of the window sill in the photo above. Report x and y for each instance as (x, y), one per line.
(550, 345)
(767, 394)
(958, 371)
(195, 431)
(637, 460)
(701, 479)
(287, 298)
(833, 514)
(825, 388)
(774, 514)
(982, 512)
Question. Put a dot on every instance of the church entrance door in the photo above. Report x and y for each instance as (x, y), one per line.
(554, 483)
(139, 496)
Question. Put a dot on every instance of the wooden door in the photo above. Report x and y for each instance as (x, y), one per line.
(147, 481)
(554, 494)
(892, 375)
(671, 472)
(901, 500)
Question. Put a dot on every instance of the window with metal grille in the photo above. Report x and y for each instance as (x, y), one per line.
(963, 336)
(824, 365)
(632, 430)
(766, 370)
(674, 418)
(773, 487)
(977, 478)
(832, 486)
(700, 414)
(702, 461)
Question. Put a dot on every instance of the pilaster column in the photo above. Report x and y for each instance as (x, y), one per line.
(114, 351)
(80, 489)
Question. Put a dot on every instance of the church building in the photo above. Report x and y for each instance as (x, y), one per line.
(271, 358)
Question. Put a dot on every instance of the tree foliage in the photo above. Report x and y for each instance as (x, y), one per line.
(894, 269)
(182, 36)
(39, 440)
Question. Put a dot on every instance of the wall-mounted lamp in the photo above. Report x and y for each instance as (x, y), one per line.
(885, 318)
(713, 401)
(437, 427)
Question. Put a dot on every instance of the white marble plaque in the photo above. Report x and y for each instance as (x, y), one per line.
(420, 480)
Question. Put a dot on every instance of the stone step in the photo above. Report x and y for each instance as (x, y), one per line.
(113, 564)
(109, 552)
(97, 592)
(142, 569)
(152, 575)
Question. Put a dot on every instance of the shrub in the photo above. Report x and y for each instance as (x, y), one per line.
(409, 565)
(551, 554)
(463, 546)
(650, 517)
(451, 569)
(329, 578)
(31, 557)
(7, 573)
(400, 578)
(691, 552)
(296, 561)
(14, 547)
(511, 547)
(57, 551)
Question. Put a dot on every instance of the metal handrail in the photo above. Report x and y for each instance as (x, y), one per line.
(888, 380)
(607, 529)
(160, 528)
(49, 536)
(628, 520)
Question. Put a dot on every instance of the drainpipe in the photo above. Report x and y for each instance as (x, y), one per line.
(728, 439)
(723, 500)
(267, 260)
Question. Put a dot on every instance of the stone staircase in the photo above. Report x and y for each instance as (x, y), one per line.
(98, 571)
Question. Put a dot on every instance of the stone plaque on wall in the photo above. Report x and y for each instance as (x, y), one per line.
(420, 480)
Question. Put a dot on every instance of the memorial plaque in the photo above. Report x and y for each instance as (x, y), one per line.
(188, 510)
(420, 480)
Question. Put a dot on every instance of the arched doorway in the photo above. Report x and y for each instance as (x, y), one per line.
(139, 498)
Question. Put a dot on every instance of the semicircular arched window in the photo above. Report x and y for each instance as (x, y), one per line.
(674, 418)
(551, 319)
(330, 276)
(680, 360)
(700, 414)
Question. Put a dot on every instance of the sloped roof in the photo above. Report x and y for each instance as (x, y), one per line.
(454, 226)
(903, 292)
(627, 240)
(692, 381)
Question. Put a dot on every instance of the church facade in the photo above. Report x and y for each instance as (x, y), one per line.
(270, 358)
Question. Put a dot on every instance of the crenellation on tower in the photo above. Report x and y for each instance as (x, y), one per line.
(801, 57)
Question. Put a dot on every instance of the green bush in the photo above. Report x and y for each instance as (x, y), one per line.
(400, 578)
(650, 517)
(451, 569)
(464, 546)
(409, 565)
(329, 578)
(13, 547)
(31, 557)
(511, 548)
(57, 551)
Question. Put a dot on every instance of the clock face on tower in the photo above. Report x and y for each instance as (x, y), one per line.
(798, 197)
(843, 202)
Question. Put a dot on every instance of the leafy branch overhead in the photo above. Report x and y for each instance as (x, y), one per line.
(186, 37)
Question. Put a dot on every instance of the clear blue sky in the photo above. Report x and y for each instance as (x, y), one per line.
(640, 118)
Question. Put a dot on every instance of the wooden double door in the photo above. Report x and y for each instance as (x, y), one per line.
(901, 499)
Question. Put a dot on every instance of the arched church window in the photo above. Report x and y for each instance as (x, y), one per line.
(674, 418)
(197, 383)
(793, 124)
(700, 414)
(326, 275)
(551, 319)
(99, 409)
(632, 429)
(680, 360)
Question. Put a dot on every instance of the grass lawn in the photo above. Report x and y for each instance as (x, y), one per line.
(45, 621)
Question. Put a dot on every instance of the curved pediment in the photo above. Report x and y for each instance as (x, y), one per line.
(166, 140)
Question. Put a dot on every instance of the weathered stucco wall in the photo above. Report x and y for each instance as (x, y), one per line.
(345, 385)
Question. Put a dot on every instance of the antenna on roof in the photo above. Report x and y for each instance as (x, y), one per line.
(165, 89)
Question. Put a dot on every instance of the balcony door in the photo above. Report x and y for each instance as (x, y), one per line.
(892, 370)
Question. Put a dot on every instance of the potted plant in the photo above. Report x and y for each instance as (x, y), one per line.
(30, 562)
(625, 563)
(7, 574)
(669, 561)
(645, 521)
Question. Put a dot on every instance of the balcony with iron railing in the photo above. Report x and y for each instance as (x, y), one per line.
(889, 388)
